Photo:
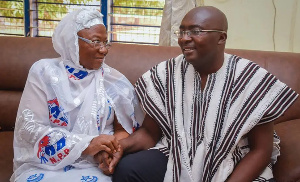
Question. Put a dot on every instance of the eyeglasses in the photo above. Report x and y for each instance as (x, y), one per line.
(194, 32)
(97, 44)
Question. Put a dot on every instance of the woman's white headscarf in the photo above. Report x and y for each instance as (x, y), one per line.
(65, 38)
(106, 83)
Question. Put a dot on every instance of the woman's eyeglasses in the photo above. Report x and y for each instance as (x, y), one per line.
(96, 44)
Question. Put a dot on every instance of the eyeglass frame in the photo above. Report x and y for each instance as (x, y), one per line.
(188, 32)
(102, 44)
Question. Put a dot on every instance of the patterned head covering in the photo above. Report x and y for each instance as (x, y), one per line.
(65, 38)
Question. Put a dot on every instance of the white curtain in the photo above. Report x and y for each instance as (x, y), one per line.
(174, 11)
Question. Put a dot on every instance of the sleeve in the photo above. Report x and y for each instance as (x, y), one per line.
(37, 142)
(123, 100)
(150, 89)
(283, 100)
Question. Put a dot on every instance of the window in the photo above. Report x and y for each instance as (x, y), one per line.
(11, 18)
(48, 13)
(135, 21)
(128, 21)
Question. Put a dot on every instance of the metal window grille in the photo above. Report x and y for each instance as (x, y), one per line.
(11, 17)
(47, 13)
(135, 21)
(129, 21)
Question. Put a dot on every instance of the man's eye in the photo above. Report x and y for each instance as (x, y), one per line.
(96, 41)
(195, 32)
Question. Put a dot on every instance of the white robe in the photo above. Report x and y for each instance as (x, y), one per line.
(52, 129)
(64, 106)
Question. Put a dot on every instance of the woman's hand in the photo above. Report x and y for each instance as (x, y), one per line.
(107, 143)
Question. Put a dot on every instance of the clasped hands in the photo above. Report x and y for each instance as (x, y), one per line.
(107, 161)
(106, 150)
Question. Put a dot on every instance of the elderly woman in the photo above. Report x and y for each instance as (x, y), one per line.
(73, 107)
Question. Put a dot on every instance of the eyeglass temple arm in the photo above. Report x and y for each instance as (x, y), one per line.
(214, 31)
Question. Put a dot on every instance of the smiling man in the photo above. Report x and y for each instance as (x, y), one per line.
(210, 113)
(202, 37)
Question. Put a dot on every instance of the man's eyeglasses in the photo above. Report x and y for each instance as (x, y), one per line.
(97, 44)
(194, 32)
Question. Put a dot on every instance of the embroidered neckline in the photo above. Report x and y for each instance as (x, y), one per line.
(75, 74)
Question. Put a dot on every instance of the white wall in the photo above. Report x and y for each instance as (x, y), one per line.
(253, 24)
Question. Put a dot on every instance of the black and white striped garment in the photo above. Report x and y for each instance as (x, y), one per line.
(204, 131)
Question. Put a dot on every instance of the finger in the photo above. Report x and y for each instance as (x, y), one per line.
(113, 164)
(104, 169)
(108, 141)
(116, 144)
(106, 149)
(104, 154)
(99, 158)
(112, 142)
(107, 161)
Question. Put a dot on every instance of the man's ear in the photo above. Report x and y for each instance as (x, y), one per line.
(222, 38)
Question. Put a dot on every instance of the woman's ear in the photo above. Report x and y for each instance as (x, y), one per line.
(222, 38)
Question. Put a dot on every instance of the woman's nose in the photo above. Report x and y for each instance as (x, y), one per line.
(103, 50)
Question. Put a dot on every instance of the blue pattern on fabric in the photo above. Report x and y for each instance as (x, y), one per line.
(108, 116)
(89, 179)
(76, 74)
(56, 113)
(35, 177)
(68, 168)
(109, 112)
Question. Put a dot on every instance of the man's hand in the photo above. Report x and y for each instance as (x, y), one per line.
(104, 160)
(144, 138)
(115, 160)
(108, 162)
